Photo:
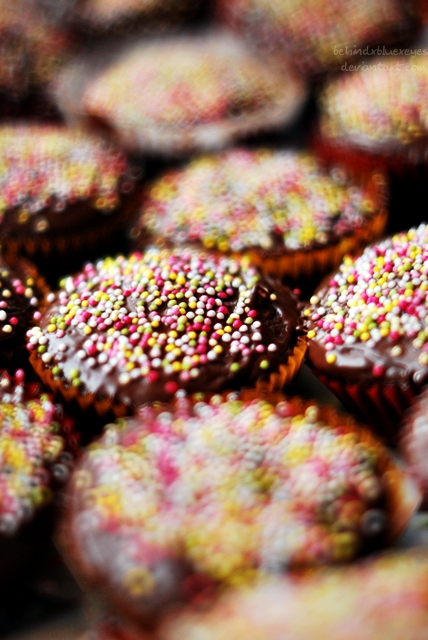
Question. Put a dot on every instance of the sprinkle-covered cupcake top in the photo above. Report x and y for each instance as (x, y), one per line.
(180, 83)
(371, 318)
(382, 599)
(32, 450)
(221, 491)
(52, 167)
(20, 298)
(320, 34)
(273, 201)
(382, 105)
(104, 14)
(137, 329)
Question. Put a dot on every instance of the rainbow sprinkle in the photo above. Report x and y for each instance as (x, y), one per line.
(379, 298)
(53, 167)
(162, 320)
(32, 451)
(184, 82)
(279, 201)
(384, 104)
(235, 488)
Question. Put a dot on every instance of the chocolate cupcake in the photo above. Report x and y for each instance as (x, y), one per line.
(128, 331)
(37, 447)
(377, 118)
(62, 190)
(367, 329)
(293, 215)
(31, 52)
(382, 599)
(379, 113)
(22, 297)
(191, 498)
(414, 441)
(179, 95)
(319, 35)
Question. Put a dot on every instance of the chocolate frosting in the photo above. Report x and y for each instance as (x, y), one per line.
(58, 180)
(368, 322)
(268, 325)
(21, 294)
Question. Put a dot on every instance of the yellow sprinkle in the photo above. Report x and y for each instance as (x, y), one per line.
(331, 358)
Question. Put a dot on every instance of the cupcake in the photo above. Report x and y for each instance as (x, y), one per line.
(318, 35)
(384, 599)
(185, 500)
(128, 331)
(37, 447)
(294, 216)
(377, 118)
(367, 329)
(22, 297)
(31, 52)
(414, 440)
(62, 190)
(378, 114)
(180, 94)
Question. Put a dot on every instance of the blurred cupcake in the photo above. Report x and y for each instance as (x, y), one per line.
(188, 499)
(101, 16)
(62, 190)
(179, 95)
(318, 35)
(31, 52)
(377, 117)
(367, 329)
(22, 297)
(294, 216)
(382, 599)
(414, 440)
(37, 446)
(130, 331)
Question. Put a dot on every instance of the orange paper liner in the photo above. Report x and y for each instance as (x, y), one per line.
(380, 405)
(276, 382)
(317, 262)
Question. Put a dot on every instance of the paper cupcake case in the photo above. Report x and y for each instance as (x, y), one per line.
(380, 405)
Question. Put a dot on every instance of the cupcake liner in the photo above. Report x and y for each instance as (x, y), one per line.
(284, 376)
(105, 406)
(317, 262)
(382, 406)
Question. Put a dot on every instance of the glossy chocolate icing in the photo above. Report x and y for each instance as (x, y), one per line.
(21, 294)
(42, 194)
(367, 322)
(276, 309)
